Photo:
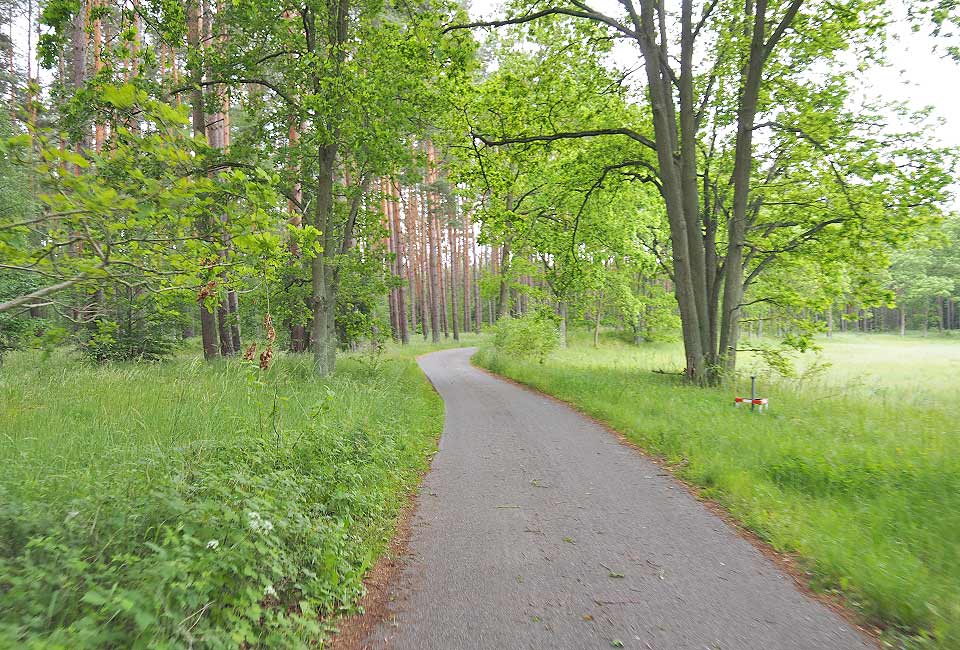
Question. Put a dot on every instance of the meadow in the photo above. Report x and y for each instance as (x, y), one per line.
(189, 504)
(854, 470)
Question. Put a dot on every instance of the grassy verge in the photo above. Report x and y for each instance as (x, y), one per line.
(860, 479)
(199, 505)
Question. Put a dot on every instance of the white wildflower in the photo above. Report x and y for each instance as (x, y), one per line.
(258, 523)
(269, 591)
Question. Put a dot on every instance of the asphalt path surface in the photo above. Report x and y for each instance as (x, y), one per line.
(536, 528)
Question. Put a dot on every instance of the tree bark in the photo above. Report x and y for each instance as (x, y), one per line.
(596, 323)
(453, 282)
(323, 284)
(733, 288)
(503, 300)
(467, 270)
(208, 321)
(432, 263)
(411, 260)
(563, 323)
(478, 299)
(438, 234)
(399, 261)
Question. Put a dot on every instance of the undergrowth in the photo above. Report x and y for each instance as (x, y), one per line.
(183, 504)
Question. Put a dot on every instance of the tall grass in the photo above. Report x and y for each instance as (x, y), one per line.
(855, 469)
(185, 504)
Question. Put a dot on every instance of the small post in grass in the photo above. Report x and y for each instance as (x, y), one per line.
(755, 401)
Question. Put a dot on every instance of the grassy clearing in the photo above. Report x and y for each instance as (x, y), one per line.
(856, 470)
(185, 504)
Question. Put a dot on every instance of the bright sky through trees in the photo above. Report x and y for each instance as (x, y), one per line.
(918, 71)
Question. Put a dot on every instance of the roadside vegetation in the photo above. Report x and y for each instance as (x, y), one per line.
(855, 468)
(188, 504)
(212, 212)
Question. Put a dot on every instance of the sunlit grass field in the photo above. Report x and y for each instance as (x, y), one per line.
(185, 504)
(855, 468)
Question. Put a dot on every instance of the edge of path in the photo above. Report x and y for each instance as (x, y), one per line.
(785, 562)
(353, 630)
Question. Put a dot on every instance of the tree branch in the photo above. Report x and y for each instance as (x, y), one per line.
(40, 293)
(589, 14)
(567, 135)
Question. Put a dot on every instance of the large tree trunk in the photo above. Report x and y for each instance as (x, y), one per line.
(323, 282)
(660, 91)
(733, 289)
(208, 321)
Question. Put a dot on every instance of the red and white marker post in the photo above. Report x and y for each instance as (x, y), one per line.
(758, 403)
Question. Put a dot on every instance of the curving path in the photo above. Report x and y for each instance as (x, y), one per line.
(536, 528)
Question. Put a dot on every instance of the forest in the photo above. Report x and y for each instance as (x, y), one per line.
(228, 229)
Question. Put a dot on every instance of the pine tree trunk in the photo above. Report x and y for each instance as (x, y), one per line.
(453, 282)
(477, 299)
(596, 324)
(432, 263)
(389, 253)
(503, 301)
(441, 274)
(411, 263)
(217, 140)
(399, 261)
(423, 266)
(467, 270)
(563, 323)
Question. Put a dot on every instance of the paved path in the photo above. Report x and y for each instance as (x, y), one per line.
(530, 515)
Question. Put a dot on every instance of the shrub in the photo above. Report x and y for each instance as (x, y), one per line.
(533, 335)
(137, 328)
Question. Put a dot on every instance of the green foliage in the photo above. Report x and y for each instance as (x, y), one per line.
(928, 270)
(186, 505)
(141, 329)
(139, 214)
(531, 336)
(856, 471)
(16, 329)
